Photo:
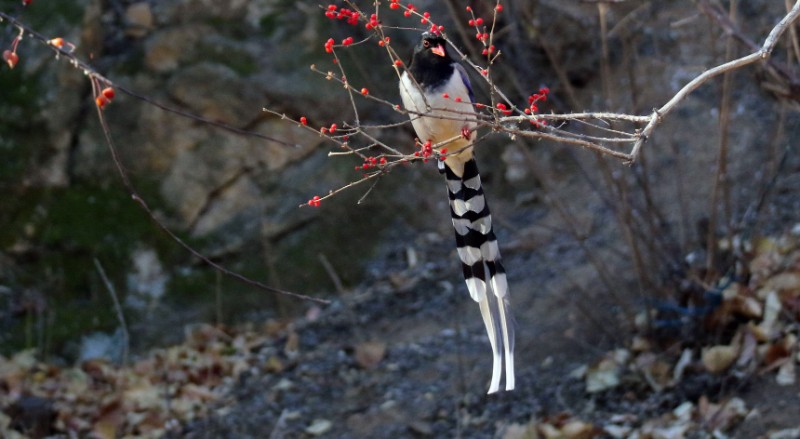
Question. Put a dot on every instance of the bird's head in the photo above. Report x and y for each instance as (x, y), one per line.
(431, 50)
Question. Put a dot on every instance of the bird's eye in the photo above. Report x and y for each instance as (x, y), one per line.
(426, 43)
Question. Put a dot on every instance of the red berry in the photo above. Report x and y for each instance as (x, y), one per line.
(303, 120)
(364, 91)
(11, 58)
(57, 42)
(101, 101)
(499, 8)
(479, 21)
(333, 128)
(109, 93)
(458, 99)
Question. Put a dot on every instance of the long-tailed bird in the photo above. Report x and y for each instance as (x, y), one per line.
(436, 92)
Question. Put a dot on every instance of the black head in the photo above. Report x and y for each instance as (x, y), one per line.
(431, 61)
(432, 49)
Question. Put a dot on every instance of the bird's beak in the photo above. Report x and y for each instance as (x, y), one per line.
(438, 50)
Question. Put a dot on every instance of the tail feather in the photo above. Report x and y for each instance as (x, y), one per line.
(481, 264)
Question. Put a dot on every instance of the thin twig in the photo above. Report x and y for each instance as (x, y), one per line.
(136, 197)
(761, 54)
(126, 340)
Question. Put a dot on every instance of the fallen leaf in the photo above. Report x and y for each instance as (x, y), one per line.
(788, 433)
(369, 354)
(606, 374)
(772, 309)
(684, 361)
(787, 374)
(719, 358)
(319, 427)
(519, 431)
(577, 429)
(722, 416)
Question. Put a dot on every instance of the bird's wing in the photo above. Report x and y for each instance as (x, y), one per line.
(462, 72)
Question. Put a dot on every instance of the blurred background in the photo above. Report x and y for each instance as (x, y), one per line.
(595, 250)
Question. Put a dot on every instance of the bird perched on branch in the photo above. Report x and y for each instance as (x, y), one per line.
(436, 92)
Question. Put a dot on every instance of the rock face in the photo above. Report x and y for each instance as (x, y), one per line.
(234, 196)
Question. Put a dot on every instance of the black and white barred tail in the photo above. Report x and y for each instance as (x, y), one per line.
(480, 260)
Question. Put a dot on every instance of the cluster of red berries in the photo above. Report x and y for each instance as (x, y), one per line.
(447, 96)
(105, 97)
(427, 150)
(314, 202)
(335, 13)
(504, 108)
(410, 10)
(371, 162)
(533, 108)
(373, 22)
(332, 129)
(536, 97)
(329, 44)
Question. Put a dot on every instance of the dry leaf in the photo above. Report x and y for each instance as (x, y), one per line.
(719, 358)
(789, 433)
(786, 374)
(772, 309)
(606, 374)
(319, 427)
(577, 429)
(680, 366)
(369, 354)
(722, 416)
(520, 431)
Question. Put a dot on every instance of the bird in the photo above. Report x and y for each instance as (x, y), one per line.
(437, 94)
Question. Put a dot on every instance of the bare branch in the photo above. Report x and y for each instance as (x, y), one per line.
(759, 55)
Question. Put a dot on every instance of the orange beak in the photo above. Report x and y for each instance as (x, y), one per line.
(438, 50)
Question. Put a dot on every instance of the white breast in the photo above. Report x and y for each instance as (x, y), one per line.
(438, 118)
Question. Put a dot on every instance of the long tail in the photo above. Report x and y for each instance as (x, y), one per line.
(480, 260)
